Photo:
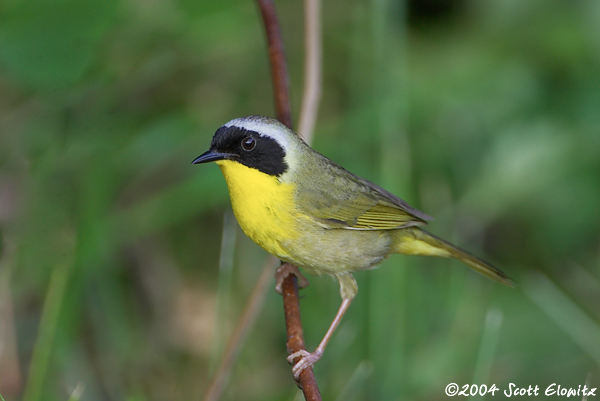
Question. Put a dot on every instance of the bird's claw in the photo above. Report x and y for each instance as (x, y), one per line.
(307, 360)
(285, 270)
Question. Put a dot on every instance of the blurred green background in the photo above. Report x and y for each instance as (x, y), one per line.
(483, 113)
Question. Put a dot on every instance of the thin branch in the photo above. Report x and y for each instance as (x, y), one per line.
(279, 73)
(312, 69)
(295, 342)
(289, 285)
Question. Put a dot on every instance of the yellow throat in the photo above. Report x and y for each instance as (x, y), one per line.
(263, 206)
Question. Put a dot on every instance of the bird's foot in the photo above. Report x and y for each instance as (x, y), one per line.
(307, 360)
(285, 270)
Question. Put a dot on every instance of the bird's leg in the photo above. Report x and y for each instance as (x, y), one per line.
(285, 270)
(348, 290)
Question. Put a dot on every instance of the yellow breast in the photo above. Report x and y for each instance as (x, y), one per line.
(262, 205)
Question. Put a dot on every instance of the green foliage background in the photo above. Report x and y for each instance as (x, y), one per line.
(484, 114)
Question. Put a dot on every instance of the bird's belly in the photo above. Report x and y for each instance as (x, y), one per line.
(336, 251)
(265, 210)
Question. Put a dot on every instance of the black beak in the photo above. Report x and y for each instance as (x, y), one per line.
(210, 156)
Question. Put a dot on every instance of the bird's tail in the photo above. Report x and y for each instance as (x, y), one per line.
(415, 241)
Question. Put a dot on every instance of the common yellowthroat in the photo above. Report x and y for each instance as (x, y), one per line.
(305, 209)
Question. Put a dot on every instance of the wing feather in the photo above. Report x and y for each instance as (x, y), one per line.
(340, 199)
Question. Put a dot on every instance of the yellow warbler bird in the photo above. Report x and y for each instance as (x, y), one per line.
(306, 210)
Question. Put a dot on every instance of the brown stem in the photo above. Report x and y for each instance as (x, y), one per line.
(289, 285)
(312, 69)
(279, 74)
(295, 342)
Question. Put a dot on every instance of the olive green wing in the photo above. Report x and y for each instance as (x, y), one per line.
(384, 217)
(340, 199)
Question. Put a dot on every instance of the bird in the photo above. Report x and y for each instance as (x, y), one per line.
(306, 210)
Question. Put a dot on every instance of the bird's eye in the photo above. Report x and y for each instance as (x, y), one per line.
(248, 143)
